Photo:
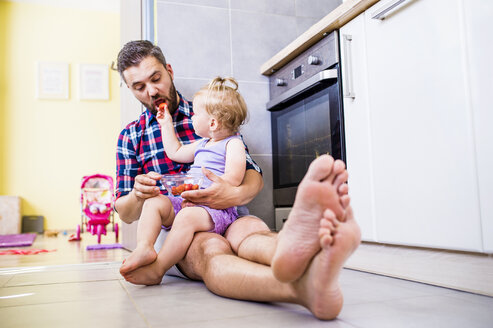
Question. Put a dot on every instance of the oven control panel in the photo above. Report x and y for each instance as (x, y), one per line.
(318, 57)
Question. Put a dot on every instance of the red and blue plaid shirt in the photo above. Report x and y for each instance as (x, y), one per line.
(140, 148)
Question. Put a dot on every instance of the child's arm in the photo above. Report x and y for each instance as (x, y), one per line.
(235, 167)
(172, 146)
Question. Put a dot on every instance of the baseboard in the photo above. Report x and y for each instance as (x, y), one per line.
(471, 272)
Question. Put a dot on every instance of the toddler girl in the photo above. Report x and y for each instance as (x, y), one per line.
(219, 110)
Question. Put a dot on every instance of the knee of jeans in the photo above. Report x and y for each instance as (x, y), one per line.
(240, 229)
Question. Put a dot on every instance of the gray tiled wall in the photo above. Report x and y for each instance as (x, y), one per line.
(205, 38)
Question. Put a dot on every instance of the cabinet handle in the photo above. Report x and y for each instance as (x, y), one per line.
(348, 67)
(382, 12)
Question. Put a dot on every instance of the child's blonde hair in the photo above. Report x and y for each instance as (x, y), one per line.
(224, 102)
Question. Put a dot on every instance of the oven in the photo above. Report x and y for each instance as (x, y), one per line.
(306, 116)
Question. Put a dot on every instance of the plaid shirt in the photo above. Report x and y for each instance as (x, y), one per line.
(140, 148)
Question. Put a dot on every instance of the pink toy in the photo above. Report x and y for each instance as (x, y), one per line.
(97, 200)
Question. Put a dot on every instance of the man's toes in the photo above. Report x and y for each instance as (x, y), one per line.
(329, 220)
(345, 200)
(343, 189)
(328, 225)
(325, 236)
(339, 167)
(340, 178)
(320, 168)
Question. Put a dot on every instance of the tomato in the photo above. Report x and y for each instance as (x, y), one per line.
(162, 106)
(195, 187)
(180, 189)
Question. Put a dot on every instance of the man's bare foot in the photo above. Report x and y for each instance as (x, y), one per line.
(150, 274)
(318, 289)
(298, 240)
(141, 256)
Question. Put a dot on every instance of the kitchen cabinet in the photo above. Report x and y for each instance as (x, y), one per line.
(412, 111)
(479, 44)
(357, 125)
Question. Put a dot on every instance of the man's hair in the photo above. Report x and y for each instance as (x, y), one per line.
(224, 102)
(134, 52)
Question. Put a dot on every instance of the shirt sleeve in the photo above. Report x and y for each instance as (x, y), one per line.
(127, 166)
(250, 163)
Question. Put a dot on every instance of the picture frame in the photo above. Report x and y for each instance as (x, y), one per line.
(52, 80)
(93, 82)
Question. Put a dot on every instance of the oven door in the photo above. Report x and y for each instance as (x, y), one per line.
(306, 123)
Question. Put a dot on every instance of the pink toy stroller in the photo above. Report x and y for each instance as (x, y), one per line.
(97, 200)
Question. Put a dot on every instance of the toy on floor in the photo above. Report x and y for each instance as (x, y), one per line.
(17, 240)
(103, 246)
(29, 251)
(97, 200)
(51, 233)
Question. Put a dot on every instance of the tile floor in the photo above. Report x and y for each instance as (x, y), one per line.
(75, 288)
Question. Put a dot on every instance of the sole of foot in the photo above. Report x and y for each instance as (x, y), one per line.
(298, 240)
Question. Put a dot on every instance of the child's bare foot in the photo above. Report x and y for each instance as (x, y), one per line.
(150, 274)
(318, 289)
(298, 240)
(142, 255)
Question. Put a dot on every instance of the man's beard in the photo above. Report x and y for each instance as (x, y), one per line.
(172, 101)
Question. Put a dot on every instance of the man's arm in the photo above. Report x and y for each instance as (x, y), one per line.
(129, 206)
(222, 194)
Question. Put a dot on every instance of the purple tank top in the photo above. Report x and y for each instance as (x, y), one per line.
(212, 158)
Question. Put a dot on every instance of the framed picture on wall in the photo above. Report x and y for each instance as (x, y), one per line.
(52, 80)
(93, 82)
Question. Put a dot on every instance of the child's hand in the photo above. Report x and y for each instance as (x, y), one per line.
(163, 116)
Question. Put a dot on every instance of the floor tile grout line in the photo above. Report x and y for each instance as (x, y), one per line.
(134, 304)
(449, 288)
(61, 283)
(23, 270)
(8, 280)
(348, 323)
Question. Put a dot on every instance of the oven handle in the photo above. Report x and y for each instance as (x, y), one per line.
(328, 74)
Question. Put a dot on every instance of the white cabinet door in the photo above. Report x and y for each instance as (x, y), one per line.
(356, 124)
(424, 163)
(479, 44)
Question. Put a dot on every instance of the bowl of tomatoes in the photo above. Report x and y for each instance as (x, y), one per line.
(177, 183)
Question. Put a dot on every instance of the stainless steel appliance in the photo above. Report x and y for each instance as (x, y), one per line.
(306, 115)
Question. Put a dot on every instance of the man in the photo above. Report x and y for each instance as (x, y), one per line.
(249, 262)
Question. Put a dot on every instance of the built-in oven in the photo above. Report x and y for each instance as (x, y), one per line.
(306, 116)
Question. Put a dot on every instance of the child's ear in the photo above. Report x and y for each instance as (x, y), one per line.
(213, 124)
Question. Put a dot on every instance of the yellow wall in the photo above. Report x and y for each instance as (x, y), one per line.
(48, 145)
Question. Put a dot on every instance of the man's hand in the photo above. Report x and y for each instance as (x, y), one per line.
(145, 185)
(219, 195)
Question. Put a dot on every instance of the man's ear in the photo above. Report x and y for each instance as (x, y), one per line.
(170, 70)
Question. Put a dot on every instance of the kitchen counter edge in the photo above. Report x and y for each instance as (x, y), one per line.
(348, 10)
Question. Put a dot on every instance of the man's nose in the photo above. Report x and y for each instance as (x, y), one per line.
(153, 91)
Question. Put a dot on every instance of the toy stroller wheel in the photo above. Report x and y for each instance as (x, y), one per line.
(99, 232)
(78, 232)
(116, 231)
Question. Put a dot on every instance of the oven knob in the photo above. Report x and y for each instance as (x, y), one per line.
(280, 82)
(313, 60)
